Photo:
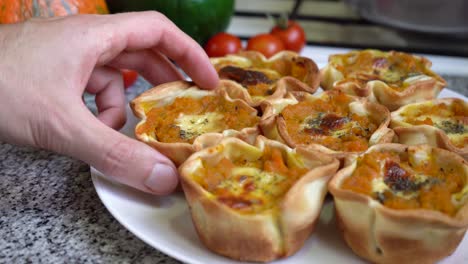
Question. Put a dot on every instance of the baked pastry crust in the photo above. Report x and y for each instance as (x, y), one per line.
(385, 235)
(390, 78)
(442, 126)
(283, 72)
(164, 95)
(267, 233)
(274, 126)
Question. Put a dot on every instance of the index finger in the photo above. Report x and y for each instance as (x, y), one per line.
(152, 30)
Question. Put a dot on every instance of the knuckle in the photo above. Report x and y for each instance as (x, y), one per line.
(156, 15)
(106, 38)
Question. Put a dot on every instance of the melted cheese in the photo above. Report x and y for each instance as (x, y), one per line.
(347, 129)
(263, 180)
(188, 117)
(333, 120)
(410, 180)
(379, 186)
(419, 158)
(194, 125)
(442, 116)
(251, 183)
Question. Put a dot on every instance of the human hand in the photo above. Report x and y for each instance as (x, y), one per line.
(46, 65)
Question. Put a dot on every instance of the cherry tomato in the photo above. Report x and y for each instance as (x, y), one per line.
(266, 44)
(129, 77)
(292, 35)
(222, 44)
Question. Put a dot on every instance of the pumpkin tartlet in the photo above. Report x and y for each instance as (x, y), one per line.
(402, 204)
(390, 78)
(440, 123)
(332, 122)
(179, 118)
(255, 202)
(263, 78)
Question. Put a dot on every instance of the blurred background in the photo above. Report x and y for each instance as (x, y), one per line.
(422, 26)
(431, 27)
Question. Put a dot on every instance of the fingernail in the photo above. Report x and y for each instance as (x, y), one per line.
(163, 179)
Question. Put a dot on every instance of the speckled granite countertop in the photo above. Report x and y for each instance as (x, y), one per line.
(50, 212)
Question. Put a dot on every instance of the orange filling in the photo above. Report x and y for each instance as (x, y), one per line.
(392, 69)
(406, 188)
(327, 121)
(163, 120)
(454, 118)
(257, 188)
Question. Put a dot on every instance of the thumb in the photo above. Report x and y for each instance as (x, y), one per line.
(123, 159)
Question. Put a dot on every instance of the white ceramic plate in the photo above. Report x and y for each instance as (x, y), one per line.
(165, 223)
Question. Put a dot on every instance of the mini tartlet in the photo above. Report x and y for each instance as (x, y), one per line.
(255, 202)
(333, 122)
(390, 78)
(178, 118)
(440, 123)
(263, 78)
(402, 204)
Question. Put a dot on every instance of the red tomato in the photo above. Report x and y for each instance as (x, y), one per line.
(267, 44)
(222, 44)
(292, 35)
(129, 77)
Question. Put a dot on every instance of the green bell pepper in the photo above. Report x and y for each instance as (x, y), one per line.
(200, 19)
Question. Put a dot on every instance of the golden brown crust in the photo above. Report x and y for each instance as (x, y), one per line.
(297, 73)
(410, 134)
(417, 88)
(165, 94)
(422, 89)
(331, 78)
(384, 235)
(268, 234)
(273, 125)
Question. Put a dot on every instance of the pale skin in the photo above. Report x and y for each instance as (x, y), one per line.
(47, 65)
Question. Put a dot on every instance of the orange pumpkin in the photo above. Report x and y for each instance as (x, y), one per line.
(13, 11)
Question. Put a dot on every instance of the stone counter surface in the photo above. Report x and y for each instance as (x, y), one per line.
(50, 212)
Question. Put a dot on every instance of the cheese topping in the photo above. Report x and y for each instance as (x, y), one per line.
(409, 180)
(195, 125)
(451, 118)
(393, 68)
(249, 184)
(330, 122)
(186, 118)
